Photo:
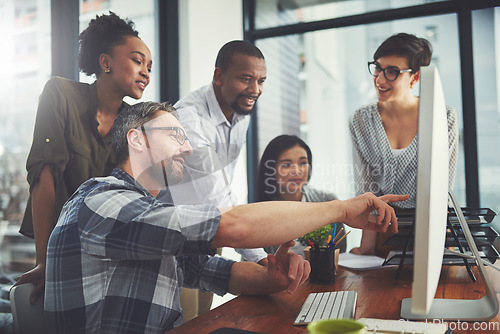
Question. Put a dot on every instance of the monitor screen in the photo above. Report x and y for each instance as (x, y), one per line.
(431, 217)
(432, 190)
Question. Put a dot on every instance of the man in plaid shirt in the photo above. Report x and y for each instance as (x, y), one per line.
(117, 258)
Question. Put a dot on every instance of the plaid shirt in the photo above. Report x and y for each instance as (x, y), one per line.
(117, 259)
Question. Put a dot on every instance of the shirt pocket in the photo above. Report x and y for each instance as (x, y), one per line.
(78, 168)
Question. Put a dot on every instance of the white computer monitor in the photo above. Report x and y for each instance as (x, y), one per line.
(431, 217)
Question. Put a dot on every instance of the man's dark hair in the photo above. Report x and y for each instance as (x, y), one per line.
(418, 51)
(267, 187)
(102, 34)
(225, 56)
(133, 117)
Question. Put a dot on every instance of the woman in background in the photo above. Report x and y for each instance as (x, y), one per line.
(384, 134)
(71, 142)
(284, 171)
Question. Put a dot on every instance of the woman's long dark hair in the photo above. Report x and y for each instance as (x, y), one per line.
(267, 188)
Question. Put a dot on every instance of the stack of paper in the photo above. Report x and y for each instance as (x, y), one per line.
(360, 262)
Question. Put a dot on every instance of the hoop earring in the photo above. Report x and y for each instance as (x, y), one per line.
(107, 70)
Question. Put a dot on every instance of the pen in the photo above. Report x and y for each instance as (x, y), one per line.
(330, 244)
(338, 235)
(343, 237)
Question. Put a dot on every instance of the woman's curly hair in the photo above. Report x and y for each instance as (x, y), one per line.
(102, 34)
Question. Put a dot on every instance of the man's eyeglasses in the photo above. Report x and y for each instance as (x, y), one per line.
(179, 135)
(391, 73)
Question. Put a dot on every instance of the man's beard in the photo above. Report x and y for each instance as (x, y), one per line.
(239, 110)
(163, 174)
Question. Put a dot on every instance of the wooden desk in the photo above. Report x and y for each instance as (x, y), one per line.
(379, 296)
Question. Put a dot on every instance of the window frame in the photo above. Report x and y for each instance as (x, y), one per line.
(463, 9)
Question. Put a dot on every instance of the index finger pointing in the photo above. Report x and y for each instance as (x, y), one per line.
(389, 198)
(283, 249)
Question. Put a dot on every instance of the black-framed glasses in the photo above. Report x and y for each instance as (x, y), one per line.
(391, 73)
(179, 135)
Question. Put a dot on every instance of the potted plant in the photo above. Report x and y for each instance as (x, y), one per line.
(318, 237)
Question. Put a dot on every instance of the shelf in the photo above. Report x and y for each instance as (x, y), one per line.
(478, 222)
(474, 216)
(483, 235)
(488, 253)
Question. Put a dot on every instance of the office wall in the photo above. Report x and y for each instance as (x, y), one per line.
(204, 26)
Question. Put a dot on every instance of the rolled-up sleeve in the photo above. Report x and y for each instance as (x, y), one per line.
(49, 144)
(207, 273)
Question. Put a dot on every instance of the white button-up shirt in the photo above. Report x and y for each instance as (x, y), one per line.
(217, 144)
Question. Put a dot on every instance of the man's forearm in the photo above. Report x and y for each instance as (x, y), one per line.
(273, 223)
(249, 278)
(43, 199)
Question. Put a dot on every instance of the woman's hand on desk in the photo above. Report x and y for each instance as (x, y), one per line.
(287, 269)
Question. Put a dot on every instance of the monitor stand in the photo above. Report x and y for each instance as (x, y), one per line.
(482, 309)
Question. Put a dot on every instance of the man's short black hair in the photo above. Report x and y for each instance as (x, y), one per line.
(225, 56)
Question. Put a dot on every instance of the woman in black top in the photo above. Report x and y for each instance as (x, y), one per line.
(70, 141)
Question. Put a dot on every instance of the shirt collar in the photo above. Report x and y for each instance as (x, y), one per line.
(164, 196)
(120, 174)
(216, 112)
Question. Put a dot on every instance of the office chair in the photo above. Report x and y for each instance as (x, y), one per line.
(27, 317)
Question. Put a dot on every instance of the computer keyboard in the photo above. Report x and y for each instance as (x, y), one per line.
(327, 305)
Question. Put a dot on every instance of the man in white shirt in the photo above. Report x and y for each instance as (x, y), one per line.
(216, 118)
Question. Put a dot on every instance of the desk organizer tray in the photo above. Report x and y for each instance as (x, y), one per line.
(480, 242)
(472, 215)
(488, 253)
(483, 235)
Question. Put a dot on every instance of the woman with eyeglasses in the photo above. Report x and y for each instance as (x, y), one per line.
(384, 134)
(71, 141)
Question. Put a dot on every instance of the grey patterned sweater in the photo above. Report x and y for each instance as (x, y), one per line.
(377, 169)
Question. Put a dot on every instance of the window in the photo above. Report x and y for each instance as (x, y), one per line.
(328, 60)
(486, 51)
(25, 32)
(317, 80)
(315, 10)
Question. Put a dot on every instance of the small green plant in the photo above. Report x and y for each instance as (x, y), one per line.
(318, 237)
